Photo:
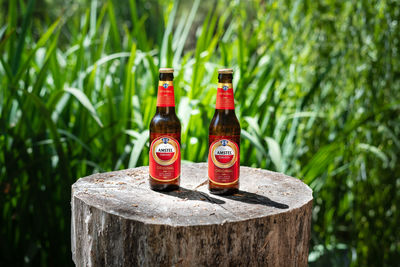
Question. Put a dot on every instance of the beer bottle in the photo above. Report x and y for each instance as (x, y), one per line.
(224, 140)
(165, 138)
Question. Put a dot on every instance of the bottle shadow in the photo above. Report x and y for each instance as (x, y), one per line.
(187, 194)
(252, 198)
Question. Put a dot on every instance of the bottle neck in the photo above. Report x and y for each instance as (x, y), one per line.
(165, 94)
(225, 77)
(225, 103)
(225, 112)
(165, 110)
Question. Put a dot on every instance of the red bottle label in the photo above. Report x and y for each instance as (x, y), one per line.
(165, 94)
(223, 159)
(165, 157)
(225, 96)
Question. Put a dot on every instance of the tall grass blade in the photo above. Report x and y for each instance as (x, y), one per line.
(274, 152)
(84, 100)
(138, 146)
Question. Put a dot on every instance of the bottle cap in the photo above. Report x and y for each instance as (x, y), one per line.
(225, 71)
(166, 70)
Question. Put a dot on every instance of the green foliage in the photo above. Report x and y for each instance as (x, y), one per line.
(317, 89)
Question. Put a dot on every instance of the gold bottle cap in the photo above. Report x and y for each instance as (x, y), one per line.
(225, 71)
(166, 70)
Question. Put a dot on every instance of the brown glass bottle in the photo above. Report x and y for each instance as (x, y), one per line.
(224, 140)
(165, 138)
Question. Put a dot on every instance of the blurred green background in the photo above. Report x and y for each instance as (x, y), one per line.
(317, 89)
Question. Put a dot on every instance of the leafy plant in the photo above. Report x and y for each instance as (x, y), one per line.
(317, 94)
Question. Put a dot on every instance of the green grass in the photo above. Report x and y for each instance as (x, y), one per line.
(317, 93)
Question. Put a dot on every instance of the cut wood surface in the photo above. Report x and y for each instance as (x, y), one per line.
(118, 221)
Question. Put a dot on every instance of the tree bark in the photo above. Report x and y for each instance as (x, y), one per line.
(118, 221)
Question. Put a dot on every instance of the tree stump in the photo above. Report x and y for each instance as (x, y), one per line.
(118, 221)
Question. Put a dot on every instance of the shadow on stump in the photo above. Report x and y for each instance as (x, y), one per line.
(252, 198)
(184, 193)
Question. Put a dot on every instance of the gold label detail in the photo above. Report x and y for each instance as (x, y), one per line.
(165, 84)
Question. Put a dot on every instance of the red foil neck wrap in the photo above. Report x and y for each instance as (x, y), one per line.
(224, 159)
(165, 157)
(225, 98)
(165, 94)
